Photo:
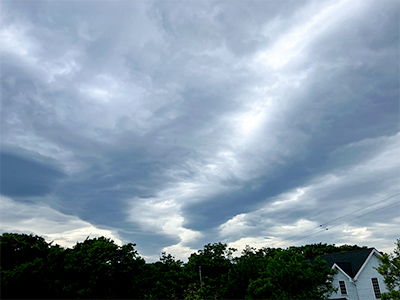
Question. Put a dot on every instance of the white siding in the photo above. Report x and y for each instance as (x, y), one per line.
(351, 292)
(364, 284)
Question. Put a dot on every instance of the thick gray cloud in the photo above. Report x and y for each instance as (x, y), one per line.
(175, 123)
(25, 177)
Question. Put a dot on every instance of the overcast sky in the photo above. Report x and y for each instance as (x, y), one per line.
(173, 124)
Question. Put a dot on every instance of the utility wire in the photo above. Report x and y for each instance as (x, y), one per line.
(341, 223)
(302, 235)
(363, 215)
(349, 214)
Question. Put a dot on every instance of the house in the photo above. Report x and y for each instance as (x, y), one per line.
(357, 277)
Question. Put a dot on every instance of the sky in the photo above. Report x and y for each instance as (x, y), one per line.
(174, 124)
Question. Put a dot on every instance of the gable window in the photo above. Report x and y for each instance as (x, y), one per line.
(375, 285)
(342, 286)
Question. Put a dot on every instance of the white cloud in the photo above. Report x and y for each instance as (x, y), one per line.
(204, 100)
(44, 221)
(294, 43)
(320, 202)
(179, 251)
(162, 216)
(16, 40)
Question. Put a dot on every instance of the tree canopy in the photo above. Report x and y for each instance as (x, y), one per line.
(99, 268)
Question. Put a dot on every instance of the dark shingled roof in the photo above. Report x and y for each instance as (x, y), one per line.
(349, 262)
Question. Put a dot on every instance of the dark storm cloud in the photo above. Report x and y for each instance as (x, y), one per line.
(176, 121)
(108, 182)
(335, 123)
(26, 177)
(345, 105)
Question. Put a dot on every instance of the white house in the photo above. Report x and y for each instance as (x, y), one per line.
(357, 278)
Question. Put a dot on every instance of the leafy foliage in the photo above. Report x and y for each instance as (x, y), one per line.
(164, 278)
(96, 268)
(22, 265)
(289, 275)
(99, 268)
(390, 270)
(22, 248)
(246, 269)
(214, 263)
(314, 250)
(104, 268)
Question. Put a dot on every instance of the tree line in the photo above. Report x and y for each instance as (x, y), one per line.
(99, 268)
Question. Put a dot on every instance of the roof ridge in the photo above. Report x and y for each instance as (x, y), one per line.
(350, 261)
(337, 253)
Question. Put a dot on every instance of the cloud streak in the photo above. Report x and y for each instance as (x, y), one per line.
(175, 124)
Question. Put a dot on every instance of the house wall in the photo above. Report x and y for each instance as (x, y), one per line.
(364, 284)
(351, 291)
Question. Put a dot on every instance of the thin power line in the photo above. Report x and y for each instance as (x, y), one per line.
(339, 218)
(375, 210)
(322, 226)
(349, 214)
(341, 223)
(327, 228)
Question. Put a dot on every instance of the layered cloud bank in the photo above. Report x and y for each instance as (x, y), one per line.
(174, 124)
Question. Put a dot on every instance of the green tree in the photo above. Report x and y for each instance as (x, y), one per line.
(194, 292)
(215, 261)
(289, 275)
(95, 268)
(246, 268)
(164, 278)
(313, 250)
(98, 268)
(19, 248)
(23, 264)
(390, 270)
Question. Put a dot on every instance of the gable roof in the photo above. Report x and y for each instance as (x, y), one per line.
(350, 262)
